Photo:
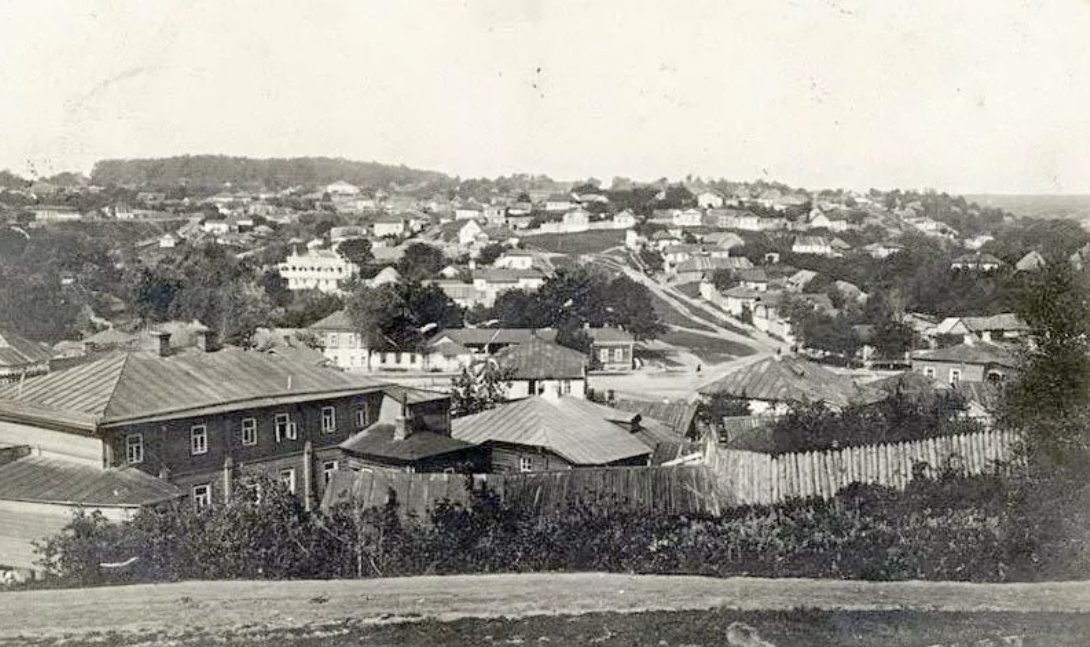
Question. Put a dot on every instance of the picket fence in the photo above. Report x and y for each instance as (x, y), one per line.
(682, 489)
(754, 478)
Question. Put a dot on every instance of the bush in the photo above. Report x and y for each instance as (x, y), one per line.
(948, 528)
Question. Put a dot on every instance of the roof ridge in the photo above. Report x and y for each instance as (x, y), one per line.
(123, 364)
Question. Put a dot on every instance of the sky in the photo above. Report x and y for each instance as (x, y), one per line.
(974, 96)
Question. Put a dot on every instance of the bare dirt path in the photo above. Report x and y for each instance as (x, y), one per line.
(211, 606)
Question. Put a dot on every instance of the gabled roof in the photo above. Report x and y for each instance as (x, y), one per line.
(980, 352)
(16, 351)
(678, 415)
(710, 264)
(128, 387)
(378, 441)
(1002, 321)
(811, 241)
(499, 336)
(791, 379)
(56, 480)
(609, 335)
(580, 431)
(537, 359)
(339, 321)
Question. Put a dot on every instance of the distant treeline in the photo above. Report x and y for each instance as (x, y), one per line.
(216, 170)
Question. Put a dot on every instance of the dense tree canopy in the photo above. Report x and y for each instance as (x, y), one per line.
(580, 296)
(399, 316)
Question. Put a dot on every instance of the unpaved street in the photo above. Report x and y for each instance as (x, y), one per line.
(225, 605)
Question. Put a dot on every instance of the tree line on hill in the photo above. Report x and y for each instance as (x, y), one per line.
(277, 173)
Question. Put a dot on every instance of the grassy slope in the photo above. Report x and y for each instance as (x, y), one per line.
(586, 242)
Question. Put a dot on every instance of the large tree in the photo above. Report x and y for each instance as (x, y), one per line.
(1049, 402)
(400, 315)
(421, 261)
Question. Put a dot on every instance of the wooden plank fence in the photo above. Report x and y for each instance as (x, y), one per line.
(728, 478)
(761, 479)
(682, 489)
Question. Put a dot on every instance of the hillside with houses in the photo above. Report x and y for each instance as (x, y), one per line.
(689, 347)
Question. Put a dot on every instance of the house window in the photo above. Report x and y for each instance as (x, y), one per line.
(134, 448)
(603, 354)
(955, 375)
(526, 463)
(198, 439)
(929, 372)
(202, 495)
(361, 416)
(328, 468)
(249, 431)
(329, 420)
(618, 354)
(285, 428)
(287, 477)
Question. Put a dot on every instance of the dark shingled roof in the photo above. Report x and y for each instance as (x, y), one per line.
(792, 379)
(55, 480)
(378, 441)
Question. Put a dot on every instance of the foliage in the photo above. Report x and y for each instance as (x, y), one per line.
(819, 330)
(421, 261)
(400, 315)
(652, 258)
(215, 170)
(207, 284)
(356, 250)
(812, 426)
(943, 527)
(892, 339)
(1050, 399)
(581, 296)
(713, 408)
(481, 386)
(724, 279)
(309, 307)
(489, 253)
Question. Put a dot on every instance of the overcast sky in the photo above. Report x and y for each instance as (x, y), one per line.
(968, 96)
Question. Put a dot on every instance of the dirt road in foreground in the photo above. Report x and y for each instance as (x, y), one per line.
(223, 605)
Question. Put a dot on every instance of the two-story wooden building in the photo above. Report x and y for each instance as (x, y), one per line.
(199, 420)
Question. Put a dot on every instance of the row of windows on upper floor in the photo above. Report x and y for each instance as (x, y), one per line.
(283, 427)
(295, 268)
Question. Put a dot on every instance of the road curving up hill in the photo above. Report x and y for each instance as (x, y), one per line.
(213, 606)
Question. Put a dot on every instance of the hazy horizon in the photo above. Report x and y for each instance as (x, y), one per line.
(979, 97)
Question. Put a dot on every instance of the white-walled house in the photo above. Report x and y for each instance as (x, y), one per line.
(709, 200)
(318, 269)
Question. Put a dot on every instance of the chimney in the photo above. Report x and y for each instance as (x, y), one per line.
(164, 342)
(205, 340)
(401, 422)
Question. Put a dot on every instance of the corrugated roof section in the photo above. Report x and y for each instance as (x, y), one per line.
(577, 430)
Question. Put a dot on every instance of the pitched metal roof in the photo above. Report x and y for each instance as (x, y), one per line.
(55, 480)
(607, 335)
(378, 441)
(483, 336)
(579, 431)
(976, 353)
(16, 351)
(132, 386)
(537, 359)
(676, 414)
(791, 379)
(336, 322)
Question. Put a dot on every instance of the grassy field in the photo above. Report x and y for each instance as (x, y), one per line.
(712, 350)
(586, 242)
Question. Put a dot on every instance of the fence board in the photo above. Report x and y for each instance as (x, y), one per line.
(755, 479)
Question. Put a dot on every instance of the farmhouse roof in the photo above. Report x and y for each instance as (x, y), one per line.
(791, 379)
(16, 351)
(537, 359)
(976, 353)
(129, 387)
(580, 431)
(55, 480)
(378, 440)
